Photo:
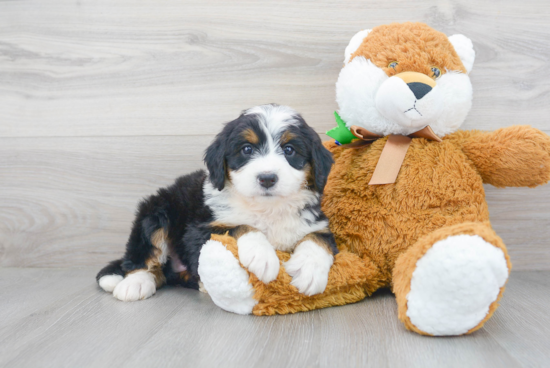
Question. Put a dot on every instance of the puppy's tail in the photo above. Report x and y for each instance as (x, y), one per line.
(110, 275)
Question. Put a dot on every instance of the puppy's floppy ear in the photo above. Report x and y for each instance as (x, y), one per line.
(321, 162)
(214, 158)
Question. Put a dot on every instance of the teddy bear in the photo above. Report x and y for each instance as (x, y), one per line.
(405, 197)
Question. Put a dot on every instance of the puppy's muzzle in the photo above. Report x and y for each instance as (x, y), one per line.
(267, 180)
(420, 84)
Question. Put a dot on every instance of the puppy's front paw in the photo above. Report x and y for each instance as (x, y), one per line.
(135, 286)
(258, 256)
(309, 266)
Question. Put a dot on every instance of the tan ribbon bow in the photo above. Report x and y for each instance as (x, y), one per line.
(393, 154)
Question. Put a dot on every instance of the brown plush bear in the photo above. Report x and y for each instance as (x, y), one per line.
(405, 197)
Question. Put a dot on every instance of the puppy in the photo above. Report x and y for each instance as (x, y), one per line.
(266, 174)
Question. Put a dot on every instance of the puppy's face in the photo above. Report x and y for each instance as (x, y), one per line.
(269, 151)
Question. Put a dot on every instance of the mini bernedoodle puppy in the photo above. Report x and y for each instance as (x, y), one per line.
(266, 174)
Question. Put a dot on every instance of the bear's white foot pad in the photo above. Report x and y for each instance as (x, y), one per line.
(135, 286)
(224, 279)
(454, 284)
(109, 282)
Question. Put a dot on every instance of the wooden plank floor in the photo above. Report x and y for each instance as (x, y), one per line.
(104, 101)
(60, 318)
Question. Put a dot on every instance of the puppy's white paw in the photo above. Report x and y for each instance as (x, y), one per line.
(309, 266)
(258, 256)
(109, 282)
(135, 286)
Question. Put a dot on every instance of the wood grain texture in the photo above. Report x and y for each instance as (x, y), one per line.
(179, 67)
(102, 102)
(70, 201)
(78, 325)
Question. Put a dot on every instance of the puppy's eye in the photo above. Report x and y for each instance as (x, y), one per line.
(247, 150)
(436, 72)
(393, 64)
(288, 150)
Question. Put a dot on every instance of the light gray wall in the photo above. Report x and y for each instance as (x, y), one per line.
(102, 102)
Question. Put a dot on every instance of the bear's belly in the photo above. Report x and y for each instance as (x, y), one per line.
(436, 187)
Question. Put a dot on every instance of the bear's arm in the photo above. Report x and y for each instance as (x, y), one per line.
(517, 156)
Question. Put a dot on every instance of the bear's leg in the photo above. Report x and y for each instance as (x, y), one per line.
(234, 289)
(450, 281)
(224, 279)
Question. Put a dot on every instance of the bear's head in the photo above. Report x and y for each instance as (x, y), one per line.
(400, 78)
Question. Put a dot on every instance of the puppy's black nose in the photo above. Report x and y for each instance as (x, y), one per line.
(419, 89)
(267, 180)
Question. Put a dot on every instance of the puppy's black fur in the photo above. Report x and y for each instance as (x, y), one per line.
(180, 210)
(174, 209)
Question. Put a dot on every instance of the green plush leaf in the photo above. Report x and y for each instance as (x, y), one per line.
(341, 133)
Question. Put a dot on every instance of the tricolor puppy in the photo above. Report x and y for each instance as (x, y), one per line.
(266, 174)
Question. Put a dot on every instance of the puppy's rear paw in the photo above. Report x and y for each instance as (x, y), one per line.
(109, 282)
(258, 256)
(309, 267)
(135, 286)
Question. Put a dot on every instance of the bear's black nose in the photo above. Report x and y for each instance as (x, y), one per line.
(267, 180)
(419, 89)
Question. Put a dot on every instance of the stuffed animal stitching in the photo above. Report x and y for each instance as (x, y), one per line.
(427, 236)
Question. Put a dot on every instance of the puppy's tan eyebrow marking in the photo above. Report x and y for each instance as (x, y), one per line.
(250, 136)
(287, 137)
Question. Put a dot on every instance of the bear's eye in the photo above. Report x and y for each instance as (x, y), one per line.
(436, 72)
(393, 64)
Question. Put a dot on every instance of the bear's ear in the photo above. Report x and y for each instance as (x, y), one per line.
(465, 50)
(354, 44)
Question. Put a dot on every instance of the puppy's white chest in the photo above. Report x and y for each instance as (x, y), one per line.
(284, 230)
(283, 221)
(282, 225)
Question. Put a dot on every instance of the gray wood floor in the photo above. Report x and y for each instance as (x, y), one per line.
(60, 318)
(104, 101)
